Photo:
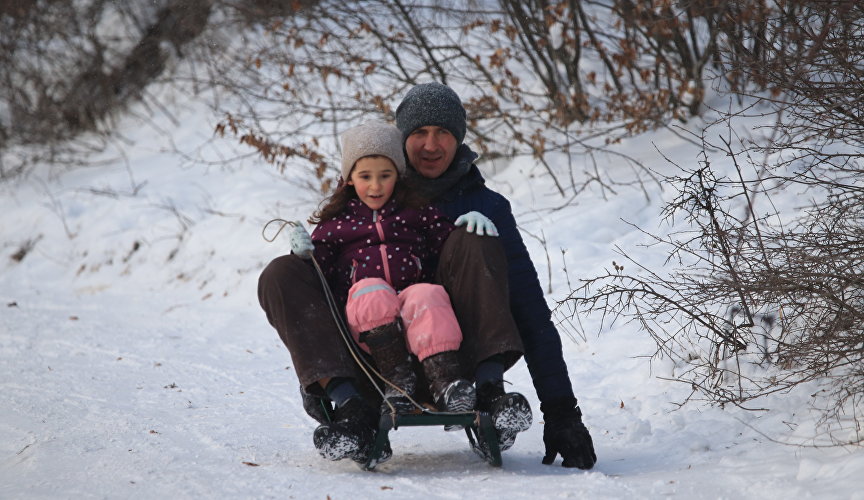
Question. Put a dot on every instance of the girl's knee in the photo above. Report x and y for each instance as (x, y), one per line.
(371, 302)
(369, 285)
(426, 294)
(431, 325)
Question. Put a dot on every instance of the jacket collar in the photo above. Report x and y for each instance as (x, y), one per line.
(357, 207)
(459, 176)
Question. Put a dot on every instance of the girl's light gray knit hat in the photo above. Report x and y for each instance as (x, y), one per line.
(373, 138)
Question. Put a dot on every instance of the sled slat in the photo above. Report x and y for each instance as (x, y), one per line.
(475, 425)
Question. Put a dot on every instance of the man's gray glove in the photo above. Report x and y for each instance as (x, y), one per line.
(300, 241)
(565, 433)
(479, 222)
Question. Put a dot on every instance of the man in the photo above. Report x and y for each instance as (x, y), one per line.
(473, 270)
(432, 121)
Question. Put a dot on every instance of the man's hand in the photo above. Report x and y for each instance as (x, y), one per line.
(478, 221)
(565, 433)
(300, 241)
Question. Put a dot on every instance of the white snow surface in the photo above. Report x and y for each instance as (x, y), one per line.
(135, 361)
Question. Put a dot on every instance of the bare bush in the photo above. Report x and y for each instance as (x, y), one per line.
(538, 78)
(70, 66)
(760, 302)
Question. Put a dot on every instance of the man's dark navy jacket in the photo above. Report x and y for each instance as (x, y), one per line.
(541, 340)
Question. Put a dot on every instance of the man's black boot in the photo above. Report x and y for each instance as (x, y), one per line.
(351, 433)
(511, 413)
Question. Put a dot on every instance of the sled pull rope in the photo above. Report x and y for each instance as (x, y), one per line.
(353, 348)
(264, 229)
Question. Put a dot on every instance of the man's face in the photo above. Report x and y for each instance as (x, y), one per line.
(431, 150)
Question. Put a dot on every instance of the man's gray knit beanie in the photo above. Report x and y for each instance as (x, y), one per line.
(431, 104)
(372, 139)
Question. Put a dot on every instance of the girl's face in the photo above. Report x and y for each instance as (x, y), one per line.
(374, 178)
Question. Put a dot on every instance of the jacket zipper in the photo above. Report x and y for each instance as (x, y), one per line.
(418, 264)
(382, 247)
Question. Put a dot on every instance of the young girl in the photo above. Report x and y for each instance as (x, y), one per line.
(378, 246)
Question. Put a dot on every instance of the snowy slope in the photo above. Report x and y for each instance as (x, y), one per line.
(136, 363)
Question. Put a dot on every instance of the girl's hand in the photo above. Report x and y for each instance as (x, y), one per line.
(478, 221)
(301, 242)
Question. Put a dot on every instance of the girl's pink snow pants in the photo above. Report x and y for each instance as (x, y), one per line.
(429, 320)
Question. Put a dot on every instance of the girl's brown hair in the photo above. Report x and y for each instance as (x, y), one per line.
(335, 204)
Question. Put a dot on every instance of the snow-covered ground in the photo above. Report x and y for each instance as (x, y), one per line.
(135, 361)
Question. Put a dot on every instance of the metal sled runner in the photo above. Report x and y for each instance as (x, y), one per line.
(478, 428)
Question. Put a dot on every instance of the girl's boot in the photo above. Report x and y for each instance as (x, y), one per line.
(451, 392)
(386, 344)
